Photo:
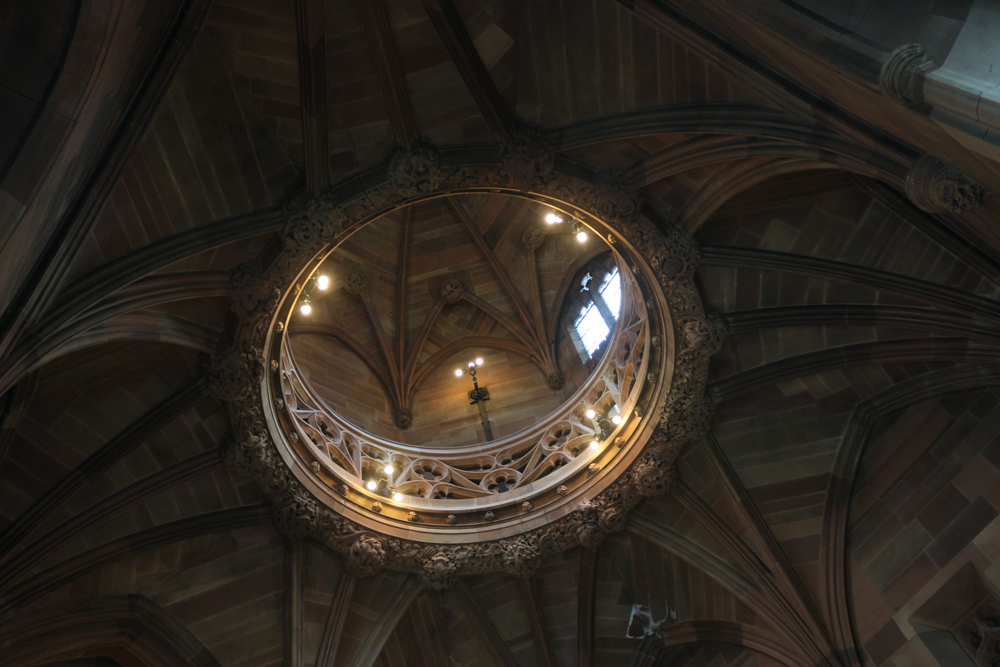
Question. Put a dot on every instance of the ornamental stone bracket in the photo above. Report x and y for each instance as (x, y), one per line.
(443, 540)
(937, 187)
(901, 78)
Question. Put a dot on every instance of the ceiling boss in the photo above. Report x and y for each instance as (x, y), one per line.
(575, 318)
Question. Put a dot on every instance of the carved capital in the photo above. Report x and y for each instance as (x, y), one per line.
(935, 186)
(901, 77)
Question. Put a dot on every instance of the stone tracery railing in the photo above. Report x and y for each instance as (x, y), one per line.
(514, 463)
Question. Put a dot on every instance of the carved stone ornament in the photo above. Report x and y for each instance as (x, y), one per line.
(533, 237)
(415, 172)
(310, 220)
(935, 186)
(403, 419)
(355, 283)
(366, 556)
(440, 570)
(511, 531)
(235, 374)
(556, 381)
(902, 74)
(521, 557)
(251, 290)
(452, 292)
(528, 160)
(653, 475)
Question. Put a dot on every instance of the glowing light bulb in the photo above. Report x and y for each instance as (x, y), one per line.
(322, 282)
(458, 372)
(553, 218)
(472, 364)
(479, 361)
(305, 308)
(581, 236)
(372, 485)
(590, 414)
(594, 445)
(616, 420)
(389, 469)
(398, 497)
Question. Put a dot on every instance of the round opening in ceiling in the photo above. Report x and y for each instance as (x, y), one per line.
(498, 360)
(466, 347)
(421, 292)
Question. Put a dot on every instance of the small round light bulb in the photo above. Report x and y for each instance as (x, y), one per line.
(479, 361)
(458, 372)
(398, 497)
(581, 236)
(389, 469)
(472, 364)
(553, 218)
(616, 420)
(305, 308)
(323, 282)
(590, 414)
(594, 445)
(372, 485)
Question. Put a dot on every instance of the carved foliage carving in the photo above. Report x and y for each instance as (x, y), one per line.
(251, 290)
(366, 556)
(415, 172)
(310, 220)
(234, 374)
(528, 160)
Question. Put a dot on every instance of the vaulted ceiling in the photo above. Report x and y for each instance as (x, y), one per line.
(844, 508)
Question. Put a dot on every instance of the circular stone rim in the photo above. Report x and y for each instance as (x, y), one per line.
(645, 468)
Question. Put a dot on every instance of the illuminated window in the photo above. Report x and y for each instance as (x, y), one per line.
(597, 318)
(591, 328)
(611, 292)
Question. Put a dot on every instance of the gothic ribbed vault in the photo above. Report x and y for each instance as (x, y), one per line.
(832, 169)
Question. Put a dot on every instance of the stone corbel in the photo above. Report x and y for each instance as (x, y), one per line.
(902, 76)
(937, 187)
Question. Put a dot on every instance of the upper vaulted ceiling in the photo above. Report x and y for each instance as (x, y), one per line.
(852, 471)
